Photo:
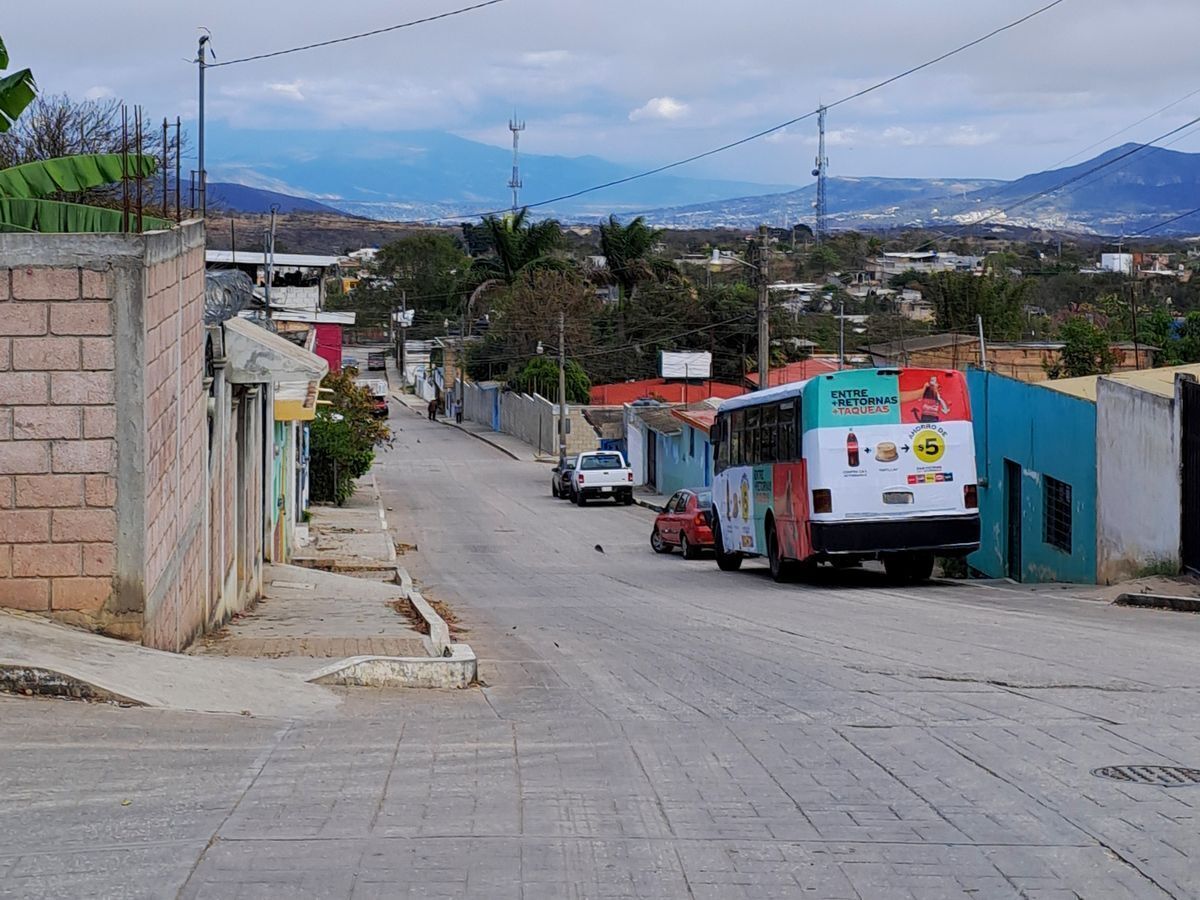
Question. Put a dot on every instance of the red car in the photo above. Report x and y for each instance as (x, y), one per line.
(686, 523)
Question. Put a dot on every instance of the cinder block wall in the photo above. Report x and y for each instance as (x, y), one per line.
(102, 431)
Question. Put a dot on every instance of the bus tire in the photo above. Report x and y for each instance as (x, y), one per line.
(782, 570)
(726, 562)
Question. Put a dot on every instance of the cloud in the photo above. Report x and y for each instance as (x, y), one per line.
(98, 92)
(666, 108)
(544, 59)
(289, 90)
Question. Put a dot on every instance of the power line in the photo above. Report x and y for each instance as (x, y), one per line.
(355, 37)
(1120, 132)
(616, 182)
(1165, 222)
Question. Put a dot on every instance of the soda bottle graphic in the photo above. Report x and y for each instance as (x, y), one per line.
(852, 450)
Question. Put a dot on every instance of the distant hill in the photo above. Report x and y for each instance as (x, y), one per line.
(1142, 189)
(241, 198)
(414, 175)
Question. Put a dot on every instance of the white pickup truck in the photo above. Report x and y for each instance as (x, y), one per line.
(601, 473)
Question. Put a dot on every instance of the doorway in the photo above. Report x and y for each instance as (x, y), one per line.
(652, 458)
(1191, 474)
(1012, 495)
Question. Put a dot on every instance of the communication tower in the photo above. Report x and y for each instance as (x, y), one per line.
(822, 167)
(515, 183)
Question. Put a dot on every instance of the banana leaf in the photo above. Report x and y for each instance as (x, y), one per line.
(57, 217)
(16, 92)
(3, 55)
(72, 174)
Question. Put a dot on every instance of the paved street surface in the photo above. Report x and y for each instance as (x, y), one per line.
(649, 728)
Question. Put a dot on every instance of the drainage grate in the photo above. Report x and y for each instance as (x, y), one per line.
(1160, 776)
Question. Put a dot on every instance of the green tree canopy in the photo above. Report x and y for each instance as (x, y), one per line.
(540, 376)
(958, 298)
(1086, 350)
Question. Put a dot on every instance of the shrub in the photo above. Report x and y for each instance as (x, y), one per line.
(343, 439)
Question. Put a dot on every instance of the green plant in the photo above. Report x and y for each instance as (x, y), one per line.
(343, 438)
(1159, 567)
(1086, 351)
(540, 376)
(29, 192)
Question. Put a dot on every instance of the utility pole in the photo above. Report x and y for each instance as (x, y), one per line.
(202, 64)
(822, 229)
(764, 312)
(841, 335)
(515, 184)
(562, 385)
(270, 260)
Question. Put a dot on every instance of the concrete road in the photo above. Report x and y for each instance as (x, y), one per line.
(649, 728)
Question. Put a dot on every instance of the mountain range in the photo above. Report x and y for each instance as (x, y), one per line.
(430, 175)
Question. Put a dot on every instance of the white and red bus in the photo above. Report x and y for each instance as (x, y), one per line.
(844, 467)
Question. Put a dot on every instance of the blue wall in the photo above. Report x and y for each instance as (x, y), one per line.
(684, 460)
(1046, 433)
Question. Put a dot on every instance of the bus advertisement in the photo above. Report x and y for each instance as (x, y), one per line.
(847, 466)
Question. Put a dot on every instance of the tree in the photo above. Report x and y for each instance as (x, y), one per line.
(627, 250)
(428, 272)
(822, 260)
(958, 298)
(343, 438)
(1086, 351)
(540, 376)
(16, 91)
(518, 246)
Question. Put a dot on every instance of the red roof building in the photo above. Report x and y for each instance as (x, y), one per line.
(797, 371)
(660, 389)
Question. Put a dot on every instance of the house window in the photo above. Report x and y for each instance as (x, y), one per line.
(1056, 514)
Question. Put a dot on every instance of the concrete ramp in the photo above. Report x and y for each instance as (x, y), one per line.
(47, 658)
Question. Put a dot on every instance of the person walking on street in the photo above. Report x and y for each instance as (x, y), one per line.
(433, 406)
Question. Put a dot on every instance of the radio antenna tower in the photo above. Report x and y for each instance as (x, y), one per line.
(822, 227)
(515, 183)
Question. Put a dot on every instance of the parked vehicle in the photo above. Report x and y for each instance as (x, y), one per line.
(601, 473)
(686, 523)
(560, 477)
(848, 466)
(376, 361)
(379, 395)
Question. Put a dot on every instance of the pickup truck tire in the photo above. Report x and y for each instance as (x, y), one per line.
(627, 498)
(580, 500)
(554, 488)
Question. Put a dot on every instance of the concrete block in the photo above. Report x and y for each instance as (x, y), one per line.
(5, 354)
(42, 283)
(45, 354)
(100, 490)
(48, 491)
(97, 354)
(46, 422)
(25, 525)
(97, 457)
(23, 318)
(99, 560)
(19, 388)
(46, 560)
(99, 422)
(83, 594)
(91, 388)
(86, 525)
(30, 594)
(97, 285)
(24, 457)
(81, 318)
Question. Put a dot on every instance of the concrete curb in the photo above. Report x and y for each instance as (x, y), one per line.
(1160, 601)
(486, 440)
(653, 507)
(42, 682)
(449, 665)
(458, 670)
(383, 522)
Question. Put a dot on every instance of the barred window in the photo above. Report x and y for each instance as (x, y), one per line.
(1056, 514)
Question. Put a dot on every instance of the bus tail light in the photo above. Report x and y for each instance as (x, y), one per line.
(971, 496)
(823, 501)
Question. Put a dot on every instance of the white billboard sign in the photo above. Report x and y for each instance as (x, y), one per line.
(685, 365)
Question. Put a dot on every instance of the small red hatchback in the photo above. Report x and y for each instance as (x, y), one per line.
(686, 523)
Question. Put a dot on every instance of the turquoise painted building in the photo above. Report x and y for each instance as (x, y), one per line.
(1036, 458)
(682, 455)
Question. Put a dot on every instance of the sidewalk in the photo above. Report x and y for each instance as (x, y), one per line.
(655, 502)
(350, 538)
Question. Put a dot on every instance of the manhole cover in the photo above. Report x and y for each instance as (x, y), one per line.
(1161, 776)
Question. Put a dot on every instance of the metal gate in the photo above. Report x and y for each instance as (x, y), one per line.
(1191, 475)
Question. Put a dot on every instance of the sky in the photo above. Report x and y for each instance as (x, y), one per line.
(644, 82)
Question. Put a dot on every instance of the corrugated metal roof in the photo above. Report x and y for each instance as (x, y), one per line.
(1160, 382)
(660, 419)
(250, 258)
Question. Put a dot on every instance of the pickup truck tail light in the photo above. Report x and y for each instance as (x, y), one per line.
(971, 496)
(631, 476)
(581, 478)
(823, 501)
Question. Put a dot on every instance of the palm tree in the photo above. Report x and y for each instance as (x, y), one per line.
(519, 248)
(627, 251)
